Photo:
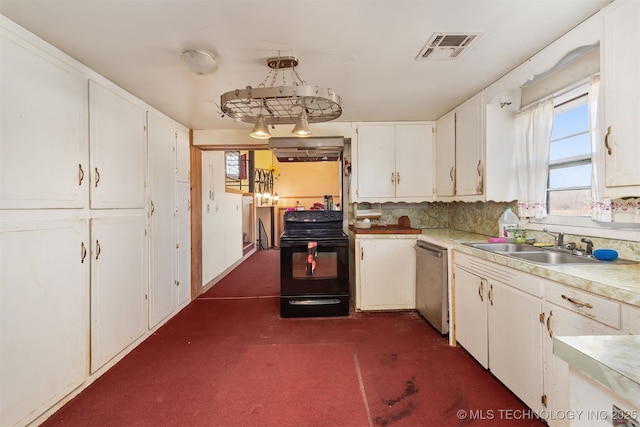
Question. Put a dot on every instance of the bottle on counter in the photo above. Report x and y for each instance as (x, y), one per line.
(507, 224)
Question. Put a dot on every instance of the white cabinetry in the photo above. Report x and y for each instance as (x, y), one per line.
(459, 148)
(570, 312)
(118, 284)
(379, 287)
(74, 230)
(469, 147)
(394, 162)
(43, 137)
(498, 321)
(620, 69)
(474, 152)
(162, 165)
(44, 314)
(118, 149)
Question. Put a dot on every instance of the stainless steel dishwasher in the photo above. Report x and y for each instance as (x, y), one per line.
(432, 296)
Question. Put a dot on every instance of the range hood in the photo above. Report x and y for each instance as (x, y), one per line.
(311, 149)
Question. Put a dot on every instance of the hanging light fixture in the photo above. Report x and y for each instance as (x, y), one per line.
(260, 130)
(302, 126)
(290, 102)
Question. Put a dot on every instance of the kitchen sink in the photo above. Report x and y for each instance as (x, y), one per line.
(505, 247)
(539, 255)
(554, 258)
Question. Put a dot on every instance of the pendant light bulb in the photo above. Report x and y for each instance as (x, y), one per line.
(260, 130)
(302, 126)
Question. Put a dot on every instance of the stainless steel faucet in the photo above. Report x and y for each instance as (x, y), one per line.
(589, 243)
(558, 238)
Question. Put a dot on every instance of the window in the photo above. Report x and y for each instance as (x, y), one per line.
(569, 180)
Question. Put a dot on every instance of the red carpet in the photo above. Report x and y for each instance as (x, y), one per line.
(259, 276)
(235, 362)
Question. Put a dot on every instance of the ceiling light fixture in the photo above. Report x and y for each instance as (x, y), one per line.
(302, 126)
(199, 61)
(260, 130)
(290, 102)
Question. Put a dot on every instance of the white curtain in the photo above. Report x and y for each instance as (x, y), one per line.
(601, 208)
(533, 134)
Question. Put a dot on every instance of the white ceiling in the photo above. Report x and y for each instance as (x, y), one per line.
(364, 50)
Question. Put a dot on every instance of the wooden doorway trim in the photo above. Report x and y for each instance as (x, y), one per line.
(196, 218)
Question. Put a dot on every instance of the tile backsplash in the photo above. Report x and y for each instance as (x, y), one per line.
(482, 218)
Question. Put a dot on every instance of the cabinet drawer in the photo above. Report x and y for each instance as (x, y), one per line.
(592, 306)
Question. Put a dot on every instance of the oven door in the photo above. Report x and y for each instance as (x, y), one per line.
(314, 279)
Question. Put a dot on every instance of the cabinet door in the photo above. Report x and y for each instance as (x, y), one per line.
(119, 265)
(414, 161)
(162, 279)
(621, 68)
(183, 155)
(118, 150)
(183, 225)
(43, 136)
(471, 294)
(445, 155)
(469, 146)
(376, 173)
(515, 341)
(44, 315)
(562, 322)
(381, 287)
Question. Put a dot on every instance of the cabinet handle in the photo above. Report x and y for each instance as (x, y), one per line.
(392, 178)
(83, 253)
(606, 140)
(481, 290)
(491, 294)
(549, 324)
(361, 253)
(398, 177)
(478, 168)
(80, 174)
(153, 208)
(576, 302)
(98, 249)
(451, 172)
(97, 176)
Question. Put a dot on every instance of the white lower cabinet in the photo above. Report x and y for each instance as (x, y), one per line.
(118, 285)
(471, 315)
(595, 403)
(44, 314)
(385, 273)
(515, 342)
(566, 321)
(498, 321)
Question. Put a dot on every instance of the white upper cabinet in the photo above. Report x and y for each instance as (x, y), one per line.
(469, 147)
(620, 69)
(118, 150)
(475, 152)
(394, 162)
(43, 136)
(183, 155)
(446, 155)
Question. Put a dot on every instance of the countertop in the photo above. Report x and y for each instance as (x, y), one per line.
(615, 281)
(610, 360)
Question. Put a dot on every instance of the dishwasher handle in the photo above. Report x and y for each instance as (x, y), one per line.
(432, 250)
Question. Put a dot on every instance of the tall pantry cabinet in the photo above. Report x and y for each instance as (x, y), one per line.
(81, 193)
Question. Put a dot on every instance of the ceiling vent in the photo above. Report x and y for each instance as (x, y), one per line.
(446, 46)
